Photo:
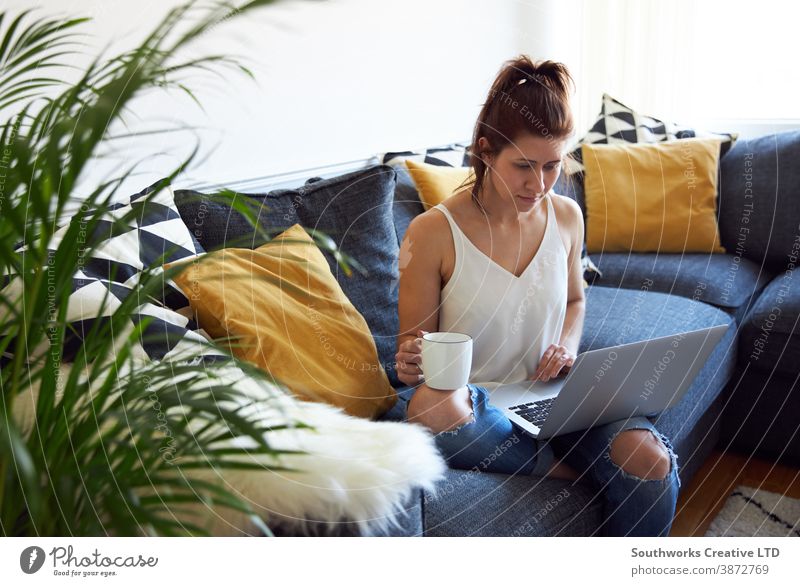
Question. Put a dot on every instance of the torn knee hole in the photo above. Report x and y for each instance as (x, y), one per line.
(641, 454)
(459, 425)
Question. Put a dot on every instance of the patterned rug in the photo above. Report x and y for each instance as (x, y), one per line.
(750, 512)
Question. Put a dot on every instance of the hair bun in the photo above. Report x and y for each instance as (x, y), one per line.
(551, 74)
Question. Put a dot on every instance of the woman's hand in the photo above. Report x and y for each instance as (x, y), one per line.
(409, 360)
(555, 361)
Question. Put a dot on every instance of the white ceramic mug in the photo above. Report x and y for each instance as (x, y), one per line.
(446, 359)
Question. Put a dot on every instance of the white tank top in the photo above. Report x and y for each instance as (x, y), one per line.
(511, 319)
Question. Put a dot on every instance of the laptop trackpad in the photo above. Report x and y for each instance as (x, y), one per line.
(508, 395)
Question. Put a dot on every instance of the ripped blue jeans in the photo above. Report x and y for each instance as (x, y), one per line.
(632, 506)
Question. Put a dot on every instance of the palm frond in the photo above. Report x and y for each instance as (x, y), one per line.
(30, 47)
(96, 456)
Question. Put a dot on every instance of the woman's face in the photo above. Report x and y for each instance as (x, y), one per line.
(525, 170)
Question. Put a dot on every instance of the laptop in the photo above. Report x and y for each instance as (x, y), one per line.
(608, 384)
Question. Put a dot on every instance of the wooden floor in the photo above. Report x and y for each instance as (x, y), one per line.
(722, 472)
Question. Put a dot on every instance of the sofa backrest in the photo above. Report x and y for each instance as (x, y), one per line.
(759, 198)
(759, 203)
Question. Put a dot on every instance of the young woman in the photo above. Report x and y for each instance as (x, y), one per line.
(502, 263)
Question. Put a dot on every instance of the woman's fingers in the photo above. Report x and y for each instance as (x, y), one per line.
(551, 368)
(553, 362)
(542, 369)
(409, 360)
(409, 367)
(409, 357)
(559, 364)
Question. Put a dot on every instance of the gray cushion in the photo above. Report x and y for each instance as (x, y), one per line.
(483, 504)
(720, 279)
(407, 205)
(770, 338)
(759, 208)
(214, 221)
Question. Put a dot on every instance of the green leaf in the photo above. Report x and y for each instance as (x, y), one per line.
(95, 463)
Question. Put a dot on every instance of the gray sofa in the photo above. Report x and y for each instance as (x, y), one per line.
(757, 283)
(639, 296)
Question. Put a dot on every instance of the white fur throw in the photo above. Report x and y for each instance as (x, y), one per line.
(354, 470)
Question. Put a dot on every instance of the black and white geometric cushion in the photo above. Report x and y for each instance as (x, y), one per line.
(454, 155)
(153, 235)
(617, 123)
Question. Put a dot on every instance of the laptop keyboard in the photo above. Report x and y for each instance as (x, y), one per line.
(535, 412)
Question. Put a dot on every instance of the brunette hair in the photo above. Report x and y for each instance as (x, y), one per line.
(526, 97)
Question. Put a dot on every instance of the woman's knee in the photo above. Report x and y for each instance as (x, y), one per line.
(440, 410)
(641, 454)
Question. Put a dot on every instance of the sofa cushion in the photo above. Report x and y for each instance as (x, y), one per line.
(407, 204)
(719, 279)
(215, 221)
(621, 316)
(128, 238)
(652, 197)
(436, 183)
(770, 338)
(287, 314)
(759, 207)
(617, 123)
(572, 186)
(454, 155)
(354, 209)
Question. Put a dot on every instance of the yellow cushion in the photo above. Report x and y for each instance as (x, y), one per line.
(652, 197)
(436, 183)
(291, 318)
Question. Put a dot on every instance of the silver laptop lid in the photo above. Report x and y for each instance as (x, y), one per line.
(641, 378)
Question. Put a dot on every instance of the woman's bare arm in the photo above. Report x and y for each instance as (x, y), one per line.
(576, 299)
(420, 281)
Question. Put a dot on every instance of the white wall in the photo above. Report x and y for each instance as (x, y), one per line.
(342, 80)
(336, 81)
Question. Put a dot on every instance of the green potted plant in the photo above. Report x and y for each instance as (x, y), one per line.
(90, 459)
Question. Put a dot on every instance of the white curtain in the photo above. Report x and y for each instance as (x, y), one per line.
(688, 61)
